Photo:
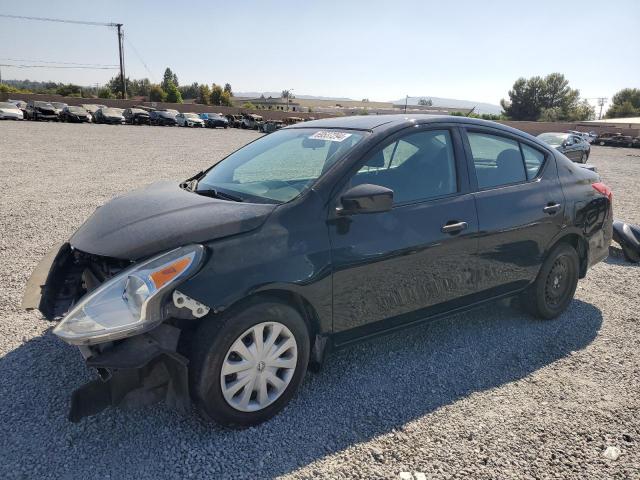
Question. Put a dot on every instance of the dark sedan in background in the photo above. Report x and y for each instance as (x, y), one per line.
(74, 114)
(136, 116)
(574, 147)
(214, 120)
(163, 118)
(220, 290)
(111, 116)
(37, 110)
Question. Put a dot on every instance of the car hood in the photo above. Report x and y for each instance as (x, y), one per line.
(160, 217)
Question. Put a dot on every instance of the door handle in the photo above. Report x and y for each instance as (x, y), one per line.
(551, 208)
(453, 227)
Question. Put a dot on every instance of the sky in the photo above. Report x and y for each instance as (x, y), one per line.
(381, 50)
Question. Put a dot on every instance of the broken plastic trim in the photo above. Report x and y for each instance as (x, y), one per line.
(628, 237)
(136, 372)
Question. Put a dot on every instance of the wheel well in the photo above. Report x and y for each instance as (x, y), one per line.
(581, 247)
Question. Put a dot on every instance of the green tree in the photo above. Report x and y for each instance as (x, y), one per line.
(548, 97)
(105, 92)
(225, 99)
(190, 91)
(157, 94)
(626, 103)
(69, 90)
(169, 76)
(249, 106)
(173, 94)
(204, 94)
(216, 94)
(227, 88)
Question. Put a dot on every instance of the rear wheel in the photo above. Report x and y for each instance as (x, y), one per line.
(247, 366)
(556, 284)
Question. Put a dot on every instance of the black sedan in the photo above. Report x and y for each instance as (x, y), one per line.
(163, 118)
(38, 110)
(214, 120)
(111, 116)
(221, 290)
(136, 116)
(75, 114)
(574, 147)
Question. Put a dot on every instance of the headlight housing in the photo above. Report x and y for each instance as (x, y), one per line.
(131, 302)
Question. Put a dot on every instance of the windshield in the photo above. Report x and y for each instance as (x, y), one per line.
(42, 105)
(76, 109)
(190, 115)
(8, 105)
(553, 138)
(111, 111)
(279, 166)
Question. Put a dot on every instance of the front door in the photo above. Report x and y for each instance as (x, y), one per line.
(520, 208)
(396, 266)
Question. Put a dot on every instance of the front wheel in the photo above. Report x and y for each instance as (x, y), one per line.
(246, 367)
(556, 284)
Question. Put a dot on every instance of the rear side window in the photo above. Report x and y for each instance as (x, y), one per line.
(497, 160)
(533, 160)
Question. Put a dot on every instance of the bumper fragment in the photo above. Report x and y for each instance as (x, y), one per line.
(136, 372)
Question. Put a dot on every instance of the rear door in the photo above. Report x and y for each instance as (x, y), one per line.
(520, 207)
(397, 266)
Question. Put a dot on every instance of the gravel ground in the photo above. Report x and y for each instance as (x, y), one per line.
(488, 394)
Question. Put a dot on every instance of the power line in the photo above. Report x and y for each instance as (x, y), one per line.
(61, 63)
(135, 51)
(58, 20)
(57, 66)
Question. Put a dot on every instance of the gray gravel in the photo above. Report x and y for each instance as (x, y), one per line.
(488, 394)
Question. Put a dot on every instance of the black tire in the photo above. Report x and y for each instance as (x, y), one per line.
(213, 340)
(555, 285)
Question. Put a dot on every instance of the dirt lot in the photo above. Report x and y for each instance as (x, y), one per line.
(488, 394)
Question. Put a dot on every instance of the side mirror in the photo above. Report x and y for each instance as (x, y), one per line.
(366, 198)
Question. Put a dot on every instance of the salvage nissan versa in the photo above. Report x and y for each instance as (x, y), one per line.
(221, 290)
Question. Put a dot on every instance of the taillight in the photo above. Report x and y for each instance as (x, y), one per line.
(603, 189)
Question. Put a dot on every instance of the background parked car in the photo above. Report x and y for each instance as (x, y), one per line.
(574, 147)
(292, 120)
(234, 120)
(615, 140)
(37, 110)
(251, 121)
(59, 106)
(108, 115)
(162, 117)
(74, 114)
(271, 126)
(213, 120)
(21, 104)
(189, 120)
(9, 111)
(136, 116)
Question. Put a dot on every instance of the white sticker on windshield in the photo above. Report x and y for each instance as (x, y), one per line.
(332, 136)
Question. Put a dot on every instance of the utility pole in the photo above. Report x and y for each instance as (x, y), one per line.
(121, 51)
(601, 102)
(406, 99)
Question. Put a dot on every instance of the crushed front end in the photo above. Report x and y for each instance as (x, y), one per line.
(127, 319)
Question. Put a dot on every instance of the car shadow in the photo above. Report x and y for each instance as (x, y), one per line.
(363, 391)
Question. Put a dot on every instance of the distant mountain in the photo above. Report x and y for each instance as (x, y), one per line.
(277, 95)
(451, 102)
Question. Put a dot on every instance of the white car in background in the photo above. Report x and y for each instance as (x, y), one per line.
(189, 120)
(10, 111)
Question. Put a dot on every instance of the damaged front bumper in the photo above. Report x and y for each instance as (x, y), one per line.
(135, 372)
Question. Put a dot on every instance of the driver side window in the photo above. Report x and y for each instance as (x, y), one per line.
(417, 167)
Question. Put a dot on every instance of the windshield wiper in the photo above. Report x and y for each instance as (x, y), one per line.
(210, 192)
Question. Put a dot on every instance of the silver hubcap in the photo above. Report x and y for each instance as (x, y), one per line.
(259, 366)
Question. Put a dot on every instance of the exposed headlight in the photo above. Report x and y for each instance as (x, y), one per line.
(132, 301)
